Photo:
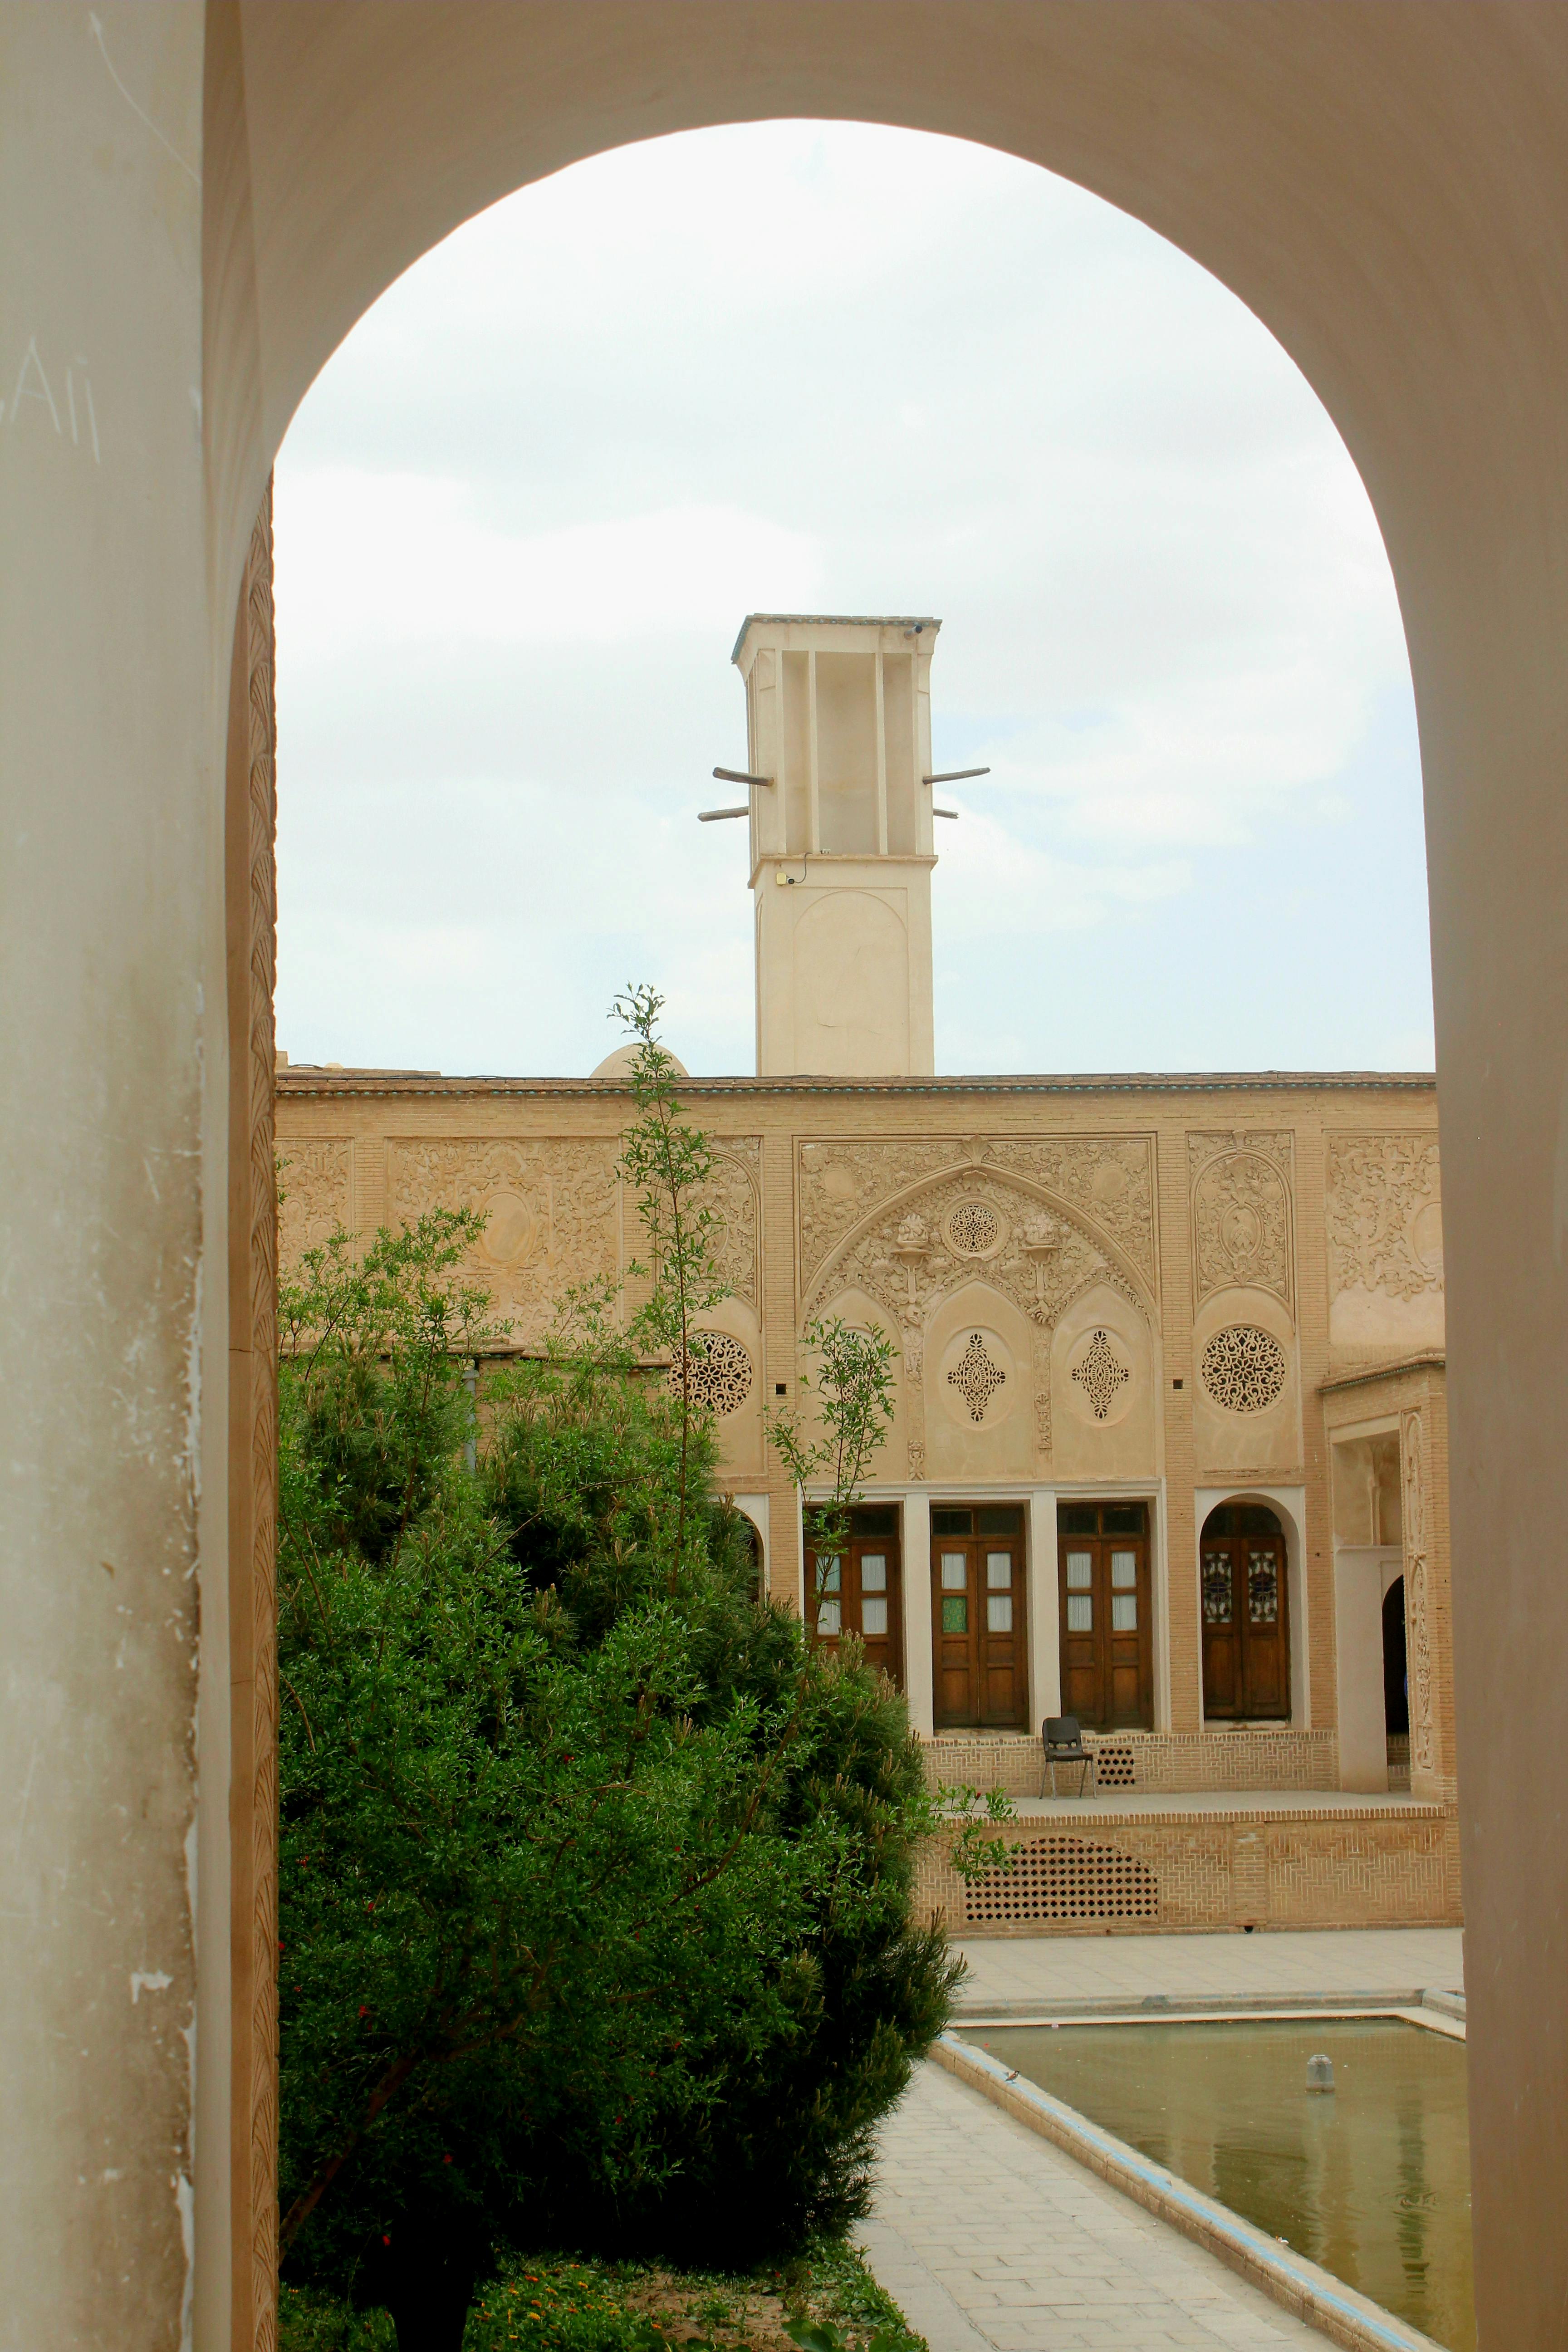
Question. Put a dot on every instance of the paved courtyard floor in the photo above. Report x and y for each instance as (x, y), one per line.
(993, 2241)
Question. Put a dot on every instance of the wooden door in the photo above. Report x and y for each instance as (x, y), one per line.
(979, 1625)
(862, 1592)
(1107, 1631)
(1245, 1611)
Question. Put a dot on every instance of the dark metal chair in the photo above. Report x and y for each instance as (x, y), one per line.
(1062, 1743)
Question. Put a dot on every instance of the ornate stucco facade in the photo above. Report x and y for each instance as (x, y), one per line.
(1192, 1295)
(1168, 1449)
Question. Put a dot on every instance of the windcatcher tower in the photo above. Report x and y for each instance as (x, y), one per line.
(838, 720)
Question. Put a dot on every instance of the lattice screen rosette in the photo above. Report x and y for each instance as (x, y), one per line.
(718, 1379)
(975, 1377)
(1244, 1369)
(1100, 1374)
(974, 1229)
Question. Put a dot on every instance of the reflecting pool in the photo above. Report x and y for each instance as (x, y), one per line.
(1371, 2181)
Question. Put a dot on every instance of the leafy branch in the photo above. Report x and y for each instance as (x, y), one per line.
(836, 1445)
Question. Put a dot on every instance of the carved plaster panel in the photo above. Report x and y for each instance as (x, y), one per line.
(553, 1205)
(733, 1196)
(1417, 1595)
(838, 1182)
(1385, 1215)
(909, 1263)
(317, 1187)
(1241, 1213)
(1109, 1179)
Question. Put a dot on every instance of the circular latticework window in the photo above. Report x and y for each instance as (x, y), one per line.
(1244, 1369)
(973, 1228)
(718, 1379)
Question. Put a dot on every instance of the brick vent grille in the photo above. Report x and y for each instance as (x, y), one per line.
(1064, 1878)
(1115, 1767)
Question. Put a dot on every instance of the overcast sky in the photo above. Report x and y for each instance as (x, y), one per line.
(836, 368)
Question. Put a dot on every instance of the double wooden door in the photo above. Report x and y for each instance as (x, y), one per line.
(978, 1615)
(1246, 1626)
(1107, 1633)
(860, 1590)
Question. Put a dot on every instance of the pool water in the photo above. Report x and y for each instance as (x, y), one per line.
(1371, 2181)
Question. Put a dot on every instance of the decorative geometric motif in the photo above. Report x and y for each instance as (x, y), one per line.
(1263, 1588)
(973, 1228)
(1100, 1374)
(1217, 1587)
(1109, 1179)
(908, 1261)
(719, 1380)
(1418, 1613)
(1115, 1767)
(1064, 1878)
(975, 1377)
(1244, 1369)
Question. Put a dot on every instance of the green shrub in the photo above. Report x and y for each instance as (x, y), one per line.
(595, 1880)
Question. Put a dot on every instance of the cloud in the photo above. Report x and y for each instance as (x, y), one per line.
(384, 560)
(833, 367)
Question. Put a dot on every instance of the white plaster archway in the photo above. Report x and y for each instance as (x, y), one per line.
(1382, 184)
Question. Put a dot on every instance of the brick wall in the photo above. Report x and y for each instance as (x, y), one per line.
(1131, 1875)
(1146, 1760)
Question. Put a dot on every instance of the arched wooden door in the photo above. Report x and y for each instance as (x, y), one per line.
(1246, 1621)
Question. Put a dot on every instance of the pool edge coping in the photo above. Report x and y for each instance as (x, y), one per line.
(1348, 2318)
(1441, 2012)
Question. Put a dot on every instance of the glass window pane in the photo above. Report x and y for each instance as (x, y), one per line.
(1080, 1570)
(873, 1617)
(999, 1571)
(873, 1571)
(955, 1570)
(1080, 1612)
(1124, 1612)
(829, 1575)
(1122, 1519)
(998, 1612)
(1263, 1588)
(1124, 1567)
(875, 1519)
(1217, 1587)
(1002, 1519)
(952, 1523)
(1078, 1518)
(955, 1614)
(827, 1619)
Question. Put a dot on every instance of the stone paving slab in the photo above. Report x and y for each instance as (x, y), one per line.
(993, 2241)
(1325, 1960)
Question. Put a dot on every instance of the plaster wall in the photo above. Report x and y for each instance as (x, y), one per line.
(1361, 1579)
(114, 675)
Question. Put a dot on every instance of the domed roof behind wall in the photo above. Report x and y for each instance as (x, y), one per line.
(618, 1065)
